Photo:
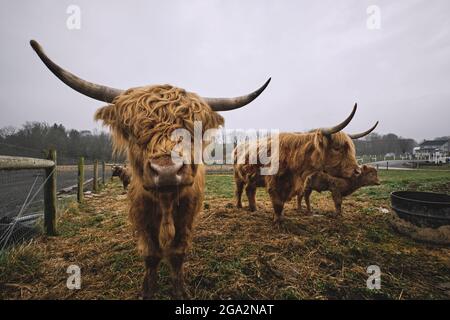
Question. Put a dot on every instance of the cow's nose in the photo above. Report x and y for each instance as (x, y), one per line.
(167, 174)
(357, 171)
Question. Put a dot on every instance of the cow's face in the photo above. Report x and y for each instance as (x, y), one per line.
(143, 121)
(339, 157)
(369, 176)
(116, 171)
(334, 151)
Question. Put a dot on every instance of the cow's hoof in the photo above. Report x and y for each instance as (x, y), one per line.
(278, 221)
(149, 288)
(180, 294)
(336, 215)
(239, 206)
(304, 212)
(148, 296)
(252, 209)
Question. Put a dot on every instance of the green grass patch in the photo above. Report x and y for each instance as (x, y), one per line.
(396, 180)
(219, 186)
(19, 264)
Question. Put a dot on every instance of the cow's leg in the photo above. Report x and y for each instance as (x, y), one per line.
(307, 200)
(238, 192)
(176, 263)
(276, 199)
(299, 201)
(151, 260)
(183, 221)
(278, 209)
(250, 190)
(337, 198)
(150, 283)
(300, 191)
(149, 244)
(278, 206)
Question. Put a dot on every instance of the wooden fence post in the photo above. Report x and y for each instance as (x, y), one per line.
(50, 196)
(103, 172)
(80, 195)
(95, 181)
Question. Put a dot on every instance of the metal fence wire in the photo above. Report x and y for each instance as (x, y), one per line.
(22, 199)
(20, 209)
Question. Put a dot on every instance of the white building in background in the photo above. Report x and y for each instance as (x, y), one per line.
(433, 150)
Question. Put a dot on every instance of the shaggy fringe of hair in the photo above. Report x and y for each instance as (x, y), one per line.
(146, 116)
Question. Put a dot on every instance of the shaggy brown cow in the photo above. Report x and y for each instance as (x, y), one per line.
(339, 187)
(300, 155)
(124, 175)
(164, 196)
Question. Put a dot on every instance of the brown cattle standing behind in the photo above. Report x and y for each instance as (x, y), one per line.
(124, 175)
(165, 195)
(300, 155)
(339, 187)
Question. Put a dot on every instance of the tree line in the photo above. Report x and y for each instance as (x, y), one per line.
(34, 139)
(380, 145)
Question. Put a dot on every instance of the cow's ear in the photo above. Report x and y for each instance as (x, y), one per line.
(364, 167)
(106, 114)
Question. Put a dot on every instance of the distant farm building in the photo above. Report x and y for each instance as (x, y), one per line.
(433, 150)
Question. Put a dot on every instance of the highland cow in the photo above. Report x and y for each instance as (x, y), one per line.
(299, 155)
(339, 187)
(124, 175)
(165, 195)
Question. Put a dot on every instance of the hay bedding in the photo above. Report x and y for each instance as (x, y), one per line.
(236, 254)
(439, 235)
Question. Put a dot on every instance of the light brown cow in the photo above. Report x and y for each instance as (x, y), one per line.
(300, 155)
(339, 187)
(165, 196)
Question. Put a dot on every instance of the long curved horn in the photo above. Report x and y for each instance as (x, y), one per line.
(362, 134)
(93, 90)
(342, 125)
(226, 104)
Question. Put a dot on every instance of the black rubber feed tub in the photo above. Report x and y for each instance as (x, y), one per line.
(424, 209)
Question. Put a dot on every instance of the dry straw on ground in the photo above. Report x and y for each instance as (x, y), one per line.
(236, 254)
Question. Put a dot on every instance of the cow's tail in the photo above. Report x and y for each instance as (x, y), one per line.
(167, 229)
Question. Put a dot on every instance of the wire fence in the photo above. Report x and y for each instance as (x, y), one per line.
(22, 198)
(219, 169)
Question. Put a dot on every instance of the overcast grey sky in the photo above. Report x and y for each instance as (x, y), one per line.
(321, 56)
